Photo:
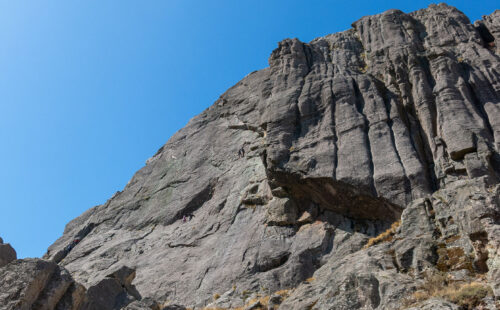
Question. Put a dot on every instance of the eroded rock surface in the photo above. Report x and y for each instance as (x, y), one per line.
(453, 233)
(36, 284)
(7, 253)
(395, 119)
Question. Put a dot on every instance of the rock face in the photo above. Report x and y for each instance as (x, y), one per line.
(7, 253)
(35, 284)
(453, 233)
(396, 119)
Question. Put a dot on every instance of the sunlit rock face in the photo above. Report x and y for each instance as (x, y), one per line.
(395, 119)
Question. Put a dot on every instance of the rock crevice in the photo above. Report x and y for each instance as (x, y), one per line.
(371, 169)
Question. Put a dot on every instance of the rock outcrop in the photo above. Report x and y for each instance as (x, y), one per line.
(37, 284)
(370, 179)
(452, 234)
(7, 253)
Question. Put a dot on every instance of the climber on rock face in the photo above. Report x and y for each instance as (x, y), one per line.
(70, 246)
(241, 152)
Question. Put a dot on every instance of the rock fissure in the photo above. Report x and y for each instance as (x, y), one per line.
(370, 177)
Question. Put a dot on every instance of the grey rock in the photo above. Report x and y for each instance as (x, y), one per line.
(489, 28)
(54, 290)
(124, 275)
(113, 292)
(397, 118)
(225, 301)
(435, 303)
(73, 299)
(148, 304)
(254, 306)
(384, 275)
(38, 284)
(107, 294)
(23, 281)
(7, 253)
(281, 211)
(274, 302)
(174, 307)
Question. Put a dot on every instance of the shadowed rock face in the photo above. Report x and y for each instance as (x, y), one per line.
(7, 253)
(342, 137)
(36, 284)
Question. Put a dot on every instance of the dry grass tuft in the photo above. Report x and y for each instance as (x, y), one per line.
(466, 295)
(385, 236)
(263, 301)
(469, 295)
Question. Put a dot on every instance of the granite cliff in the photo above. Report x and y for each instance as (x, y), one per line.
(370, 180)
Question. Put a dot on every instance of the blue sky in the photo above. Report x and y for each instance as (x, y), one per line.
(90, 89)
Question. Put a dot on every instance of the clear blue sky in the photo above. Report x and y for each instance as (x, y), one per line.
(90, 89)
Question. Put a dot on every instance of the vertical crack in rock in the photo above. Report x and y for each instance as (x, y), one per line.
(371, 162)
(334, 132)
(366, 126)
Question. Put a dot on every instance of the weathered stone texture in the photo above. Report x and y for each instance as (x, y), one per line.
(395, 118)
(7, 253)
(35, 284)
(455, 231)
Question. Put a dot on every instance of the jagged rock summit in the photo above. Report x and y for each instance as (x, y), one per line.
(7, 253)
(369, 180)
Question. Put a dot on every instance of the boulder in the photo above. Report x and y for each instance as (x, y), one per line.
(7, 253)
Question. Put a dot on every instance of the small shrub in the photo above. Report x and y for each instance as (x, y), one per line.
(441, 198)
(245, 294)
(469, 295)
(420, 295)
(466, 295)
(283, 293)
(263, 300)
(216, 296)
(385, 236)
(434, 283)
